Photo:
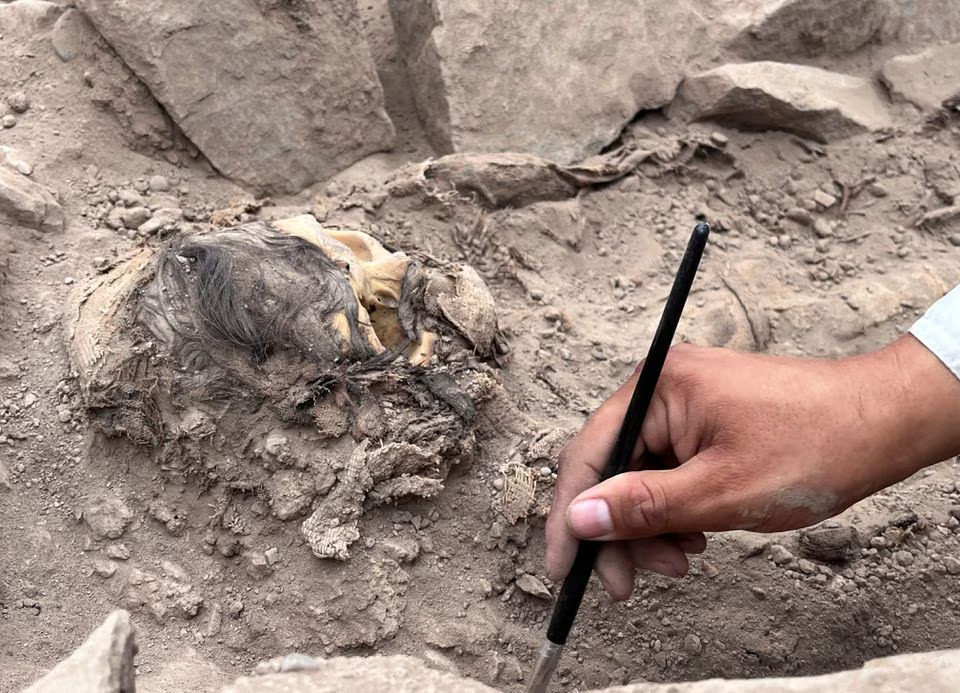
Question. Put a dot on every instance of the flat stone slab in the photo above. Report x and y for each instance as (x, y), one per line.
(808, 101)
(557, 79)
(925, 79)
(277, 95)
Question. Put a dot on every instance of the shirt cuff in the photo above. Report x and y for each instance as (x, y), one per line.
(939, 330)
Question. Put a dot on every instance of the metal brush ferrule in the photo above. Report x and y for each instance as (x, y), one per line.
(547, 660)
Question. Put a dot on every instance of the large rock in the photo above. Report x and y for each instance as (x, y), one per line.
(785, 29)
(931, 672)
(102, 664)
(559, 79)
(26, 17)
(925, 20)
(926, 79)
(804, 100)
(398, 674)
(276, 95)
(182, 671)
(28, 203)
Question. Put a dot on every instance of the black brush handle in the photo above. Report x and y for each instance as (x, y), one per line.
(575, 584)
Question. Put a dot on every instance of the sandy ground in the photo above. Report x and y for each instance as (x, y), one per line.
(579, 285)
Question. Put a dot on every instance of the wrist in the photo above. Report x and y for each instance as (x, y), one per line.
(915, 403)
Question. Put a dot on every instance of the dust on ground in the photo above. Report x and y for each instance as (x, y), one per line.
(817, 252)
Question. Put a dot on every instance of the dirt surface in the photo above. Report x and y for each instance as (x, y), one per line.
(819, 250)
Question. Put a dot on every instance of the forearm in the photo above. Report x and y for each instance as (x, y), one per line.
(922, 370)
(907, 408)
(930, 404)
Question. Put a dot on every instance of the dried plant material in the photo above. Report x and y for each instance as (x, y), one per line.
(519, 491)
(938, 217)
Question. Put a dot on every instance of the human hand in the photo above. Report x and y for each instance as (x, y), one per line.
(752, 442)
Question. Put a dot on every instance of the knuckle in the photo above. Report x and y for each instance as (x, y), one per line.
(571, 451)
(683, 349)
(684, 377)
(680, 361)
(645, 508)
(681, 382)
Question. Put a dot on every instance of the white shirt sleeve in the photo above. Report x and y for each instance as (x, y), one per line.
(939, 330)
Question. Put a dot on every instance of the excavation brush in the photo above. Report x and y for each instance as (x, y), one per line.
(575, 584)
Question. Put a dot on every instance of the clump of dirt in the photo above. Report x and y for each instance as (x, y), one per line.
(156, 457)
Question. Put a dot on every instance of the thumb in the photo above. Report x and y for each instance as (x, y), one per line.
(635, 505)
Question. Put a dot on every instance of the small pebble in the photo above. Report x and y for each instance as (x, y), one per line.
(104, 569)
(692, 645)
(830, 543)
(955, 239)
(800, 216)
(822, 227)
(159, 184)
(552, 315)
(130, 197)
(545, 471)
(903, 558)
(780, 555)
(133, 217)
(710, 570)
(823, 199)
(18, 102)
(234, 608)
(119, 552)
(719, 139)
(401, 550)
(533, 586)
(8, 121)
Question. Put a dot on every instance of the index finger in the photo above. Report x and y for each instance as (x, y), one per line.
(580, 466)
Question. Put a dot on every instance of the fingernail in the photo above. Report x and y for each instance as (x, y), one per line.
(590, 518)
(664, 568)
